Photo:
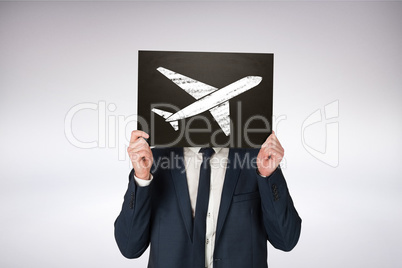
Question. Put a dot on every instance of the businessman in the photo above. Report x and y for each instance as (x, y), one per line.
(206, 207)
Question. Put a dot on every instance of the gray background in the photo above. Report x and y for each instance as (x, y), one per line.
(58, 202)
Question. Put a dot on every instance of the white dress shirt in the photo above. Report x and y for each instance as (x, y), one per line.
(193, 160)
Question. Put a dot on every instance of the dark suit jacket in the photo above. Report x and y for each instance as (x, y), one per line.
(253, 210)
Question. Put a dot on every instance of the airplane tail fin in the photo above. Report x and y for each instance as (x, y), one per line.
(175, 125)
(166, 115)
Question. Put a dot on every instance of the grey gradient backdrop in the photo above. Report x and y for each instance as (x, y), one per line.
(58, 202)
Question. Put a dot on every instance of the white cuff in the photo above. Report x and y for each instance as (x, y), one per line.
(259, 174)
(143, 183)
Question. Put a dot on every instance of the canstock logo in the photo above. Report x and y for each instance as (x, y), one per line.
(330, 154)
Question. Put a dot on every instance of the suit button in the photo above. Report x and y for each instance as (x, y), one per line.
(207, 241)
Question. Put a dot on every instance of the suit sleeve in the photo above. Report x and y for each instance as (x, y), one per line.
(281, 220)
(131, 228)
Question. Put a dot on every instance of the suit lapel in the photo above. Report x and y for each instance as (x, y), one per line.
(231, 178)
(180, 184)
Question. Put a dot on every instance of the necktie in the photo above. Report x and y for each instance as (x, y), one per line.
(201, 208)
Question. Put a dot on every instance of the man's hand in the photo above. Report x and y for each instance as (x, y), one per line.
(140, 154)
(270, 155)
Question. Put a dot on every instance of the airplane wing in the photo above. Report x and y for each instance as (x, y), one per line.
(193, 87)
(221, 114)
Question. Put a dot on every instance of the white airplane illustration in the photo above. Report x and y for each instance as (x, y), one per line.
(207, 98)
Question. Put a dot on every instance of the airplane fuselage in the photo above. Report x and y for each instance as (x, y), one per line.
(216, 98)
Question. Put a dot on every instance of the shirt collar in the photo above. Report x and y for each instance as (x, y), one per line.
(196, 150)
